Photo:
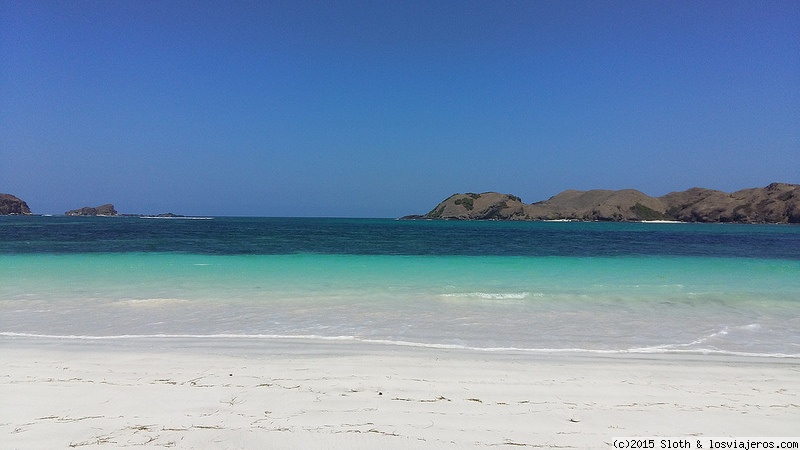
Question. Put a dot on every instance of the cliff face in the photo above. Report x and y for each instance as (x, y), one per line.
(102, 210)
(776, 203)
(10, 204)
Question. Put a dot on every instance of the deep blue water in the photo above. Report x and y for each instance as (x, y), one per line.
(275, 236)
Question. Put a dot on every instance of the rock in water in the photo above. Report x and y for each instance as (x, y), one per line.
(102, 210)
(11, 205)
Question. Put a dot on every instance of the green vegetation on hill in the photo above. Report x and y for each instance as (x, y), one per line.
(645, 213)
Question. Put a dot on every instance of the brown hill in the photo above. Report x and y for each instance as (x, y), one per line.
(597, 204)
(486, 206)
(776, 203)
(11, 205)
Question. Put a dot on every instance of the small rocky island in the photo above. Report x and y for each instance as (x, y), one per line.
(108, 210)
(102, 210)
(776, 203)
(11, 205)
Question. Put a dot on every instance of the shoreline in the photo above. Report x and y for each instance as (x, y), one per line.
(230, 340)
(218, 393)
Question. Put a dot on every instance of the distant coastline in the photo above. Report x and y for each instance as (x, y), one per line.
(775, 203)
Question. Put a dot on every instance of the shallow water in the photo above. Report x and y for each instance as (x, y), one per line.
(487, 285)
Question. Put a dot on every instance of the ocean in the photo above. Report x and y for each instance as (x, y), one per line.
(489, 286)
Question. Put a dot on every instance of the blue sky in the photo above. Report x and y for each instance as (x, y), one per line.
(381, 109)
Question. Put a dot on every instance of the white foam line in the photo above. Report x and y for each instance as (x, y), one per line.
(492, 295)
(172, 336)
(177, 218)
(665, 349)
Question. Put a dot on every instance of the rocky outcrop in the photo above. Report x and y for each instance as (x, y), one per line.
(486, 206)
(102, 210)
(776, 203)
(11, 205)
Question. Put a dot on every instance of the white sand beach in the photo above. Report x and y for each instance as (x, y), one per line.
(240, 394)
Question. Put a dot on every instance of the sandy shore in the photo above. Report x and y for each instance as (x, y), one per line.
(301, 394)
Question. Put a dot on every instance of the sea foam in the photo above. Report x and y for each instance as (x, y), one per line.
(492, 295)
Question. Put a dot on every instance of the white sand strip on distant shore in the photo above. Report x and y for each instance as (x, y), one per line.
(274, 394)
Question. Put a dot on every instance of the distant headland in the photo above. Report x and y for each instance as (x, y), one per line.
(776, 203)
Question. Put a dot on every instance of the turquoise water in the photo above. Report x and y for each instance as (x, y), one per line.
(536, 287)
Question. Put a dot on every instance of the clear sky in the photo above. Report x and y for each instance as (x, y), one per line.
(384, 108)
